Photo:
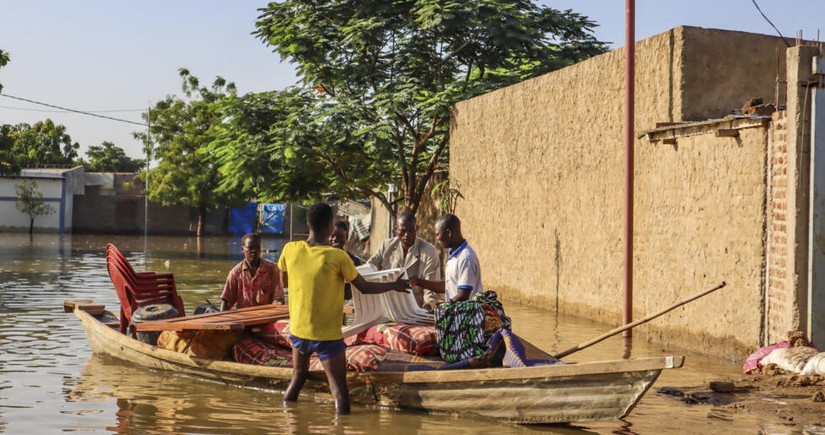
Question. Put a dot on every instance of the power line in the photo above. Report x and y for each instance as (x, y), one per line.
(769, 22)
(82, 112)
(63, 111)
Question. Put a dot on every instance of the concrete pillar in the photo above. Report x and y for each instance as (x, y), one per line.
(816, 278)
(799, 79)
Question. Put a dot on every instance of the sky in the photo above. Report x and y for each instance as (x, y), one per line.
(117, 58)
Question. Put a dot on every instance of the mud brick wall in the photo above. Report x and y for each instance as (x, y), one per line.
(541, 168)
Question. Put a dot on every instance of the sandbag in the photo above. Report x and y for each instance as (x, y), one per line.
(752, 363)
(815, 365)
(792, 359)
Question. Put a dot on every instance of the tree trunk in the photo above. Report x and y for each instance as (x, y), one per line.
(201, 219)
(31, 226)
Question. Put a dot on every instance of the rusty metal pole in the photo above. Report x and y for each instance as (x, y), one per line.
(629, 119)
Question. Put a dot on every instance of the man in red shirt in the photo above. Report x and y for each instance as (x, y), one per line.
(254, 281)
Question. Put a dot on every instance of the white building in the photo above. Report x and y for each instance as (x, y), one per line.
(58, 185)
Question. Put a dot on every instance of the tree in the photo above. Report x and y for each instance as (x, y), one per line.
(4, 60)
(272, 146)
(30, 201)
(107, 157)
(181, 127)
(43, 143)
(7, 166)
(391, 69)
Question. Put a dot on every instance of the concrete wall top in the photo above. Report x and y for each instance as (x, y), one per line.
(721, 69)
(691, 73)
(106, 180)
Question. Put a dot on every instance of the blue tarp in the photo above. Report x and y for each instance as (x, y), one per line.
(242, 219)
(272, 218)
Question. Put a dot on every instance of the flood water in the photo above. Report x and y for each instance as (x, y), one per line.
(50, 382)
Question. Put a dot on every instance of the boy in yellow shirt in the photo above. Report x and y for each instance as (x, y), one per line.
(315, 274)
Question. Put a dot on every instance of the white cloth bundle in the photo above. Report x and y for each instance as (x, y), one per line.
(386, 307)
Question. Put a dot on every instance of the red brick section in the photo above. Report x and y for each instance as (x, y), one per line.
(779, 304)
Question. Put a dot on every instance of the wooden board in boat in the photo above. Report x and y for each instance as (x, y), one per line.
(224, 321)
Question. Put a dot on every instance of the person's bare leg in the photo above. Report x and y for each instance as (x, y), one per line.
(300, 367)
(336, 369)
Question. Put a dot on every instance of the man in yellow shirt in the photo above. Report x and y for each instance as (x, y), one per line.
(315, 274)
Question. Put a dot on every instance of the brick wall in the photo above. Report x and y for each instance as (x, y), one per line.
(779, 309)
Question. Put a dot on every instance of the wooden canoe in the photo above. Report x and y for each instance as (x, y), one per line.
(547, 394)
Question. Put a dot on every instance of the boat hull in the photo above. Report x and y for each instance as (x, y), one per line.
(545, 394)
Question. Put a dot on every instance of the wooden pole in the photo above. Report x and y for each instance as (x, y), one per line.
(629, 141)
(636, 323)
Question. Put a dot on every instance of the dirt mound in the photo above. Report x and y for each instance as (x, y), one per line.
(773, 394)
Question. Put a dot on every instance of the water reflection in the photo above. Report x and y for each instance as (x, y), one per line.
(50, 382)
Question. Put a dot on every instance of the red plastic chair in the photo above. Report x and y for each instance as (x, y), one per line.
(136, 289)
(113, 251)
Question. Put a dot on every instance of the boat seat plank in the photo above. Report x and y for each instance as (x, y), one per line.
(226, 320)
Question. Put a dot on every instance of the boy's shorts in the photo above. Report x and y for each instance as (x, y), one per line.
(325, 349)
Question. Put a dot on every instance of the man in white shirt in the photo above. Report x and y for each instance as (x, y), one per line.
(463, 273)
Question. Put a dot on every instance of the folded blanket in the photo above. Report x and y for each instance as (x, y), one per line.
(400, 337)
(265, 352)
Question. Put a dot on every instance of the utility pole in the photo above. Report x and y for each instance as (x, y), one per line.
(629, 141)
(146, 181)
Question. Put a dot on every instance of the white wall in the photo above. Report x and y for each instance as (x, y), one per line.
(12, 218)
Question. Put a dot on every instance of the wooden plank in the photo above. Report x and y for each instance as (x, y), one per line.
(69, 304)
(667, 124)
(727, 132)
(86, 305)
(226, 320)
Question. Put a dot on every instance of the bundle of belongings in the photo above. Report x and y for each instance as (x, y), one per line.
(390, 332)
(795, 355)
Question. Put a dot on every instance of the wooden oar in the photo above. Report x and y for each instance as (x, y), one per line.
(636, 323)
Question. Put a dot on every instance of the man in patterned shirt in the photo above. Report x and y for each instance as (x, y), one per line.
(254, 281)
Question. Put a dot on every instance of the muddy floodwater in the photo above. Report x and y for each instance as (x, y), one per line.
(51, 383)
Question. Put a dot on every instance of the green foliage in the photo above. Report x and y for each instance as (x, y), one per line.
(390, 70)
(182, 129)
(30, 201)
(4, 60)
(107, 157)
(7, 166)
(296, 145)
(42, 144)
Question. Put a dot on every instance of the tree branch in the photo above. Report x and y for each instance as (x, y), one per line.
(428, 172)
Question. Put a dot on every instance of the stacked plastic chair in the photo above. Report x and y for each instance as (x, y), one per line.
(373, 309)
(137, 289)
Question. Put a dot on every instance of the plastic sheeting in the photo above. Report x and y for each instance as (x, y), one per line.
(272, 218)
(243, 219)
